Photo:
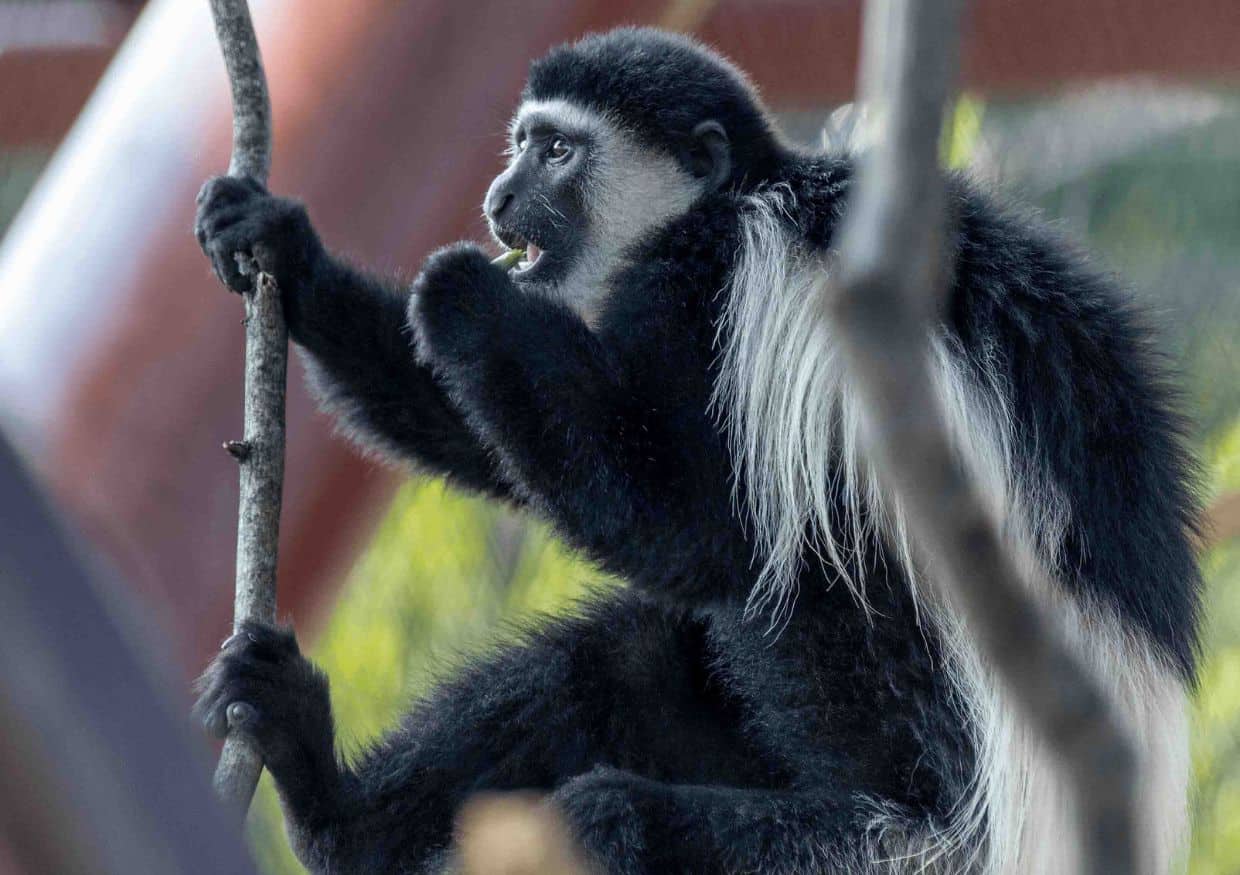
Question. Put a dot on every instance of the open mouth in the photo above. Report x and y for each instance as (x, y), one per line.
(532, 256)
(535, 256)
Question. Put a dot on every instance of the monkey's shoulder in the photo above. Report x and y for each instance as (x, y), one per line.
(673, 277)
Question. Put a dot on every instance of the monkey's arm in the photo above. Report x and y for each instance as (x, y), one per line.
(353, 328)
(622, 471)
(634, 825)
(362, 368)
(531, 716)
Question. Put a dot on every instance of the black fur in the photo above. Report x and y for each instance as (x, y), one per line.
(662, 86)
(675, 735)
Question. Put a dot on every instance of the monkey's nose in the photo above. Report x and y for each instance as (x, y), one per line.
(498, 203)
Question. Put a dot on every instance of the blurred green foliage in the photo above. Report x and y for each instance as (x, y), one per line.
(1216, 715)
(961, 131)
(1167, 216)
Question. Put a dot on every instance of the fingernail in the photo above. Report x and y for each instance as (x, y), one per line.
(240, 713)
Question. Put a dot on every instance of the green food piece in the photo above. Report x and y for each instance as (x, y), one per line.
(509, 259)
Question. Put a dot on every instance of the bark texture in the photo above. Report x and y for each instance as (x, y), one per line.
(260, 453)
(890, 286)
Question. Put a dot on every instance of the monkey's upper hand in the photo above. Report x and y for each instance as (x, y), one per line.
(458, 302)
(236, 215)
(280, 701)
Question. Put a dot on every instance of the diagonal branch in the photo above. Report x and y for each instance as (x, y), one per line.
(888, 288)
(261, 453)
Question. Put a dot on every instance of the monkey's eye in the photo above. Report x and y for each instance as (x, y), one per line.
(559, 150)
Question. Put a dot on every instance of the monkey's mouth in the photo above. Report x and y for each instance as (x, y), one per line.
(532, 256)
(535, 260)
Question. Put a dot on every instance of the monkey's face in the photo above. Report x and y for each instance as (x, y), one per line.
(538, 202)
(578, 193)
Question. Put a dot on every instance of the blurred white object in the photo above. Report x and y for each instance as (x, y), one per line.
(848, 129)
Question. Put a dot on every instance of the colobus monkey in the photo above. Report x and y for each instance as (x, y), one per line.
(775, 691)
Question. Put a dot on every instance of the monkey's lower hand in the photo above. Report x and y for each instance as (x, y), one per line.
(280, 702)
(236, 215)
(458, 303)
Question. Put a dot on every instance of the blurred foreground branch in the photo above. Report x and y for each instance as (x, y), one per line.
(261, 453)
(888, 289)
(515, 834)
(98, 773)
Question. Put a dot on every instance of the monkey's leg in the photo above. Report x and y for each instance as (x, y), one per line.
(635, 826)
(625, 684)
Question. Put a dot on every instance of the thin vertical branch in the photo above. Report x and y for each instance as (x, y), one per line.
(889, 287)
(251, 152)
(261, 453)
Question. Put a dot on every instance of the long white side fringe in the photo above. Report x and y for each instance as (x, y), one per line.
(808, 496)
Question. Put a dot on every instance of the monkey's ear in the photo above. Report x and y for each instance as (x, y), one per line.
(710, 155)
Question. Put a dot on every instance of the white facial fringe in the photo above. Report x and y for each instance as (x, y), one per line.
(809, 496)
(630, 190)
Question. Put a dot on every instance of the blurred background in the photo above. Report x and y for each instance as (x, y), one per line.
(120, 356)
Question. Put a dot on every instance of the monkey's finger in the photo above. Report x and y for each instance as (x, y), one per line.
(233, 640)
(230, 188)
(276, 638)
(266, 257)
(224, 262)
(224, 717)
(258, 641)
(224, 688)
(212, 223)
(206, 709)
(251, 183)
(241, 715)
(222, 190)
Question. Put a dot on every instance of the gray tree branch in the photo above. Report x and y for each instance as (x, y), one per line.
(888, 288)
(261, 453)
